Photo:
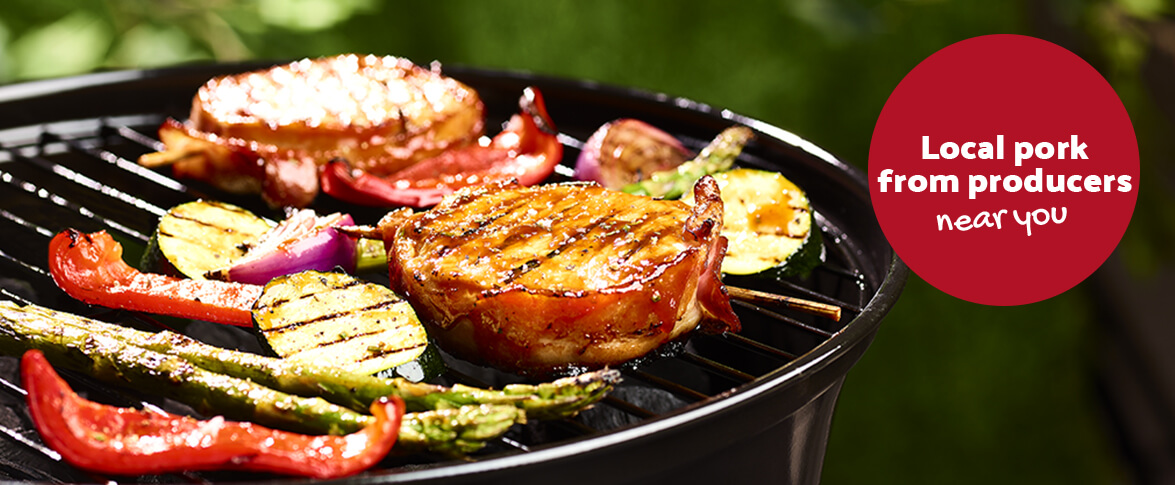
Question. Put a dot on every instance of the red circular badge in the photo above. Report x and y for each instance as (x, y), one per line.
(1003, 170)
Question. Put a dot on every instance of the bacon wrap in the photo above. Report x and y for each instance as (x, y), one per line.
(705, 224)
(537, 280)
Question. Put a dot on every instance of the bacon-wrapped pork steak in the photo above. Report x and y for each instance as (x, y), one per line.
(270, 130)
(538, 280)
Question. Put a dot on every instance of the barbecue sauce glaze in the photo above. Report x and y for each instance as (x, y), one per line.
(537, 280)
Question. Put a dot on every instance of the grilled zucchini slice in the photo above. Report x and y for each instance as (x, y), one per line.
(196, 237)
(337, 320)
(768, 222)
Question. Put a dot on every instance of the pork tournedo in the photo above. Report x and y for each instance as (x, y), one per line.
(539, 280)
(270, 130)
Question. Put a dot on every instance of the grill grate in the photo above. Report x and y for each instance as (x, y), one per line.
(82, 174)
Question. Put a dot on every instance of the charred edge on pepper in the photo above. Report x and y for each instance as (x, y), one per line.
(74, 234)
(533, 104)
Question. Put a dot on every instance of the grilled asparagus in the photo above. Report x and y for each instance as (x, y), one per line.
(450, 431)
(551, 400)
(719, 155)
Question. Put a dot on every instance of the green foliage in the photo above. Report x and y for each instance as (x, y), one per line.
(75, 43)
(57, 38)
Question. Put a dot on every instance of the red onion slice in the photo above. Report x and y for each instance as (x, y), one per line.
(625, 151)
(302, 242)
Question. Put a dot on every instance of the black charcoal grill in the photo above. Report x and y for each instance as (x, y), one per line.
(748, 408)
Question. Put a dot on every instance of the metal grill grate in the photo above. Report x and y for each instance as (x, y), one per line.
(81, 173)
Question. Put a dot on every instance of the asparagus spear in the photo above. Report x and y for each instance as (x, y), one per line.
(551, 400)
(719, 155)
(447, 431)
(113, 362)
(455, 432)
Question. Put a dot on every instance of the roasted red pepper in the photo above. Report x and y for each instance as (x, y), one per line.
(90, 268)
(126, 441)
(527, 151)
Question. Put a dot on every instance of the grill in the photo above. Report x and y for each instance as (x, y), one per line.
(751, 407)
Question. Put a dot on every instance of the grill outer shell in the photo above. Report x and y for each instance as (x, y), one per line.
(774, 429)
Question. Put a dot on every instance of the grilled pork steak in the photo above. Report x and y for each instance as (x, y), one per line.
(536, 280)
(271, 129)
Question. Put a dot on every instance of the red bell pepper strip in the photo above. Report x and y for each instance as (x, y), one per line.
(527, 151)
(125, 441)
(89, 267)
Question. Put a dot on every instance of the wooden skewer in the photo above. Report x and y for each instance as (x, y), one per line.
(807, 306)
(167, 157)
(364, 231)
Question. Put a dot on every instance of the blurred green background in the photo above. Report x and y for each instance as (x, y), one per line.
(950, 392)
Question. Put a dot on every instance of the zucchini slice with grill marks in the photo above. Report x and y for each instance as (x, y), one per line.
(200, 236)
(337, 320)
(769, 225)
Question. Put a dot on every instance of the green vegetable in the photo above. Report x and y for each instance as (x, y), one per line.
(450, 431)
(719, 155)
(336, 320)
(114, 362)
(370, 255)
(768, 223)
(455, 432)
(551, 400)
(196, 237)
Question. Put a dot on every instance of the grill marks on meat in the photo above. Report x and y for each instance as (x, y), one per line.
(381, 113)
(517, 234)
(539, 279)
(270, 130)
